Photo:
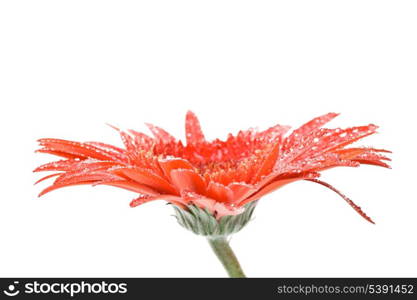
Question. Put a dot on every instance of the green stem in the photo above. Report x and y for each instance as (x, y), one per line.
(225, 254)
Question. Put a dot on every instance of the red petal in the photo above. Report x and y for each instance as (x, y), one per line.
(131, 186)
(241, 191)
(194, 134)
(107, 147)
(361, 150)
(219, 192)
(373, 162)
(147, 177)
(141, 200)
(314, 124)
(269, 163)
(146, 198)
(47, 177)
(350, 153)
(273, 186)
(268, 189)
(75, 165)
(339, 138)
(367, 156)
(61, 165)
(141, 139)
(275, 131)
(80, 176)
(308, 128)
(75, 148)
(169, 164)
(126, 138)
(188, 180)
(349, 201)
(58, 186)
(57, 153)
(161, 134)
(116, 152)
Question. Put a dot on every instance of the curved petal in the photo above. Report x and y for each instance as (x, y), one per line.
(59, 186)
(349, 201)
(273, 186)
(146, 198)
(219, 192)
(241, 191)
(131, 186)
(57, 153)
(126, 138)
(171, 163)
(79, 176)
(313, 125)
(146, 177)
(275, 131)
(141, 138)
(328, 140)
(188, 180)
(160, 134)
(194, 134)
(268, 163)
(107, 147)
(60, 165)
(86, 165)
(75, 148)
(368, 156)
(373, 162)
(47, 177)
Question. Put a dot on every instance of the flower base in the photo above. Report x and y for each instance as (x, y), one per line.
(202, 222)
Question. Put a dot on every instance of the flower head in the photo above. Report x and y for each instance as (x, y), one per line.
(219, 176)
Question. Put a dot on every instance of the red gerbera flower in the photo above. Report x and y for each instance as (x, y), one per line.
(213, 185)
(220, 176)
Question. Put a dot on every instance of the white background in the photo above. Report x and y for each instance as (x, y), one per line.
(68, 67)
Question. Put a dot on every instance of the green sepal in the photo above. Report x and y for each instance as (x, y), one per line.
(202, 222)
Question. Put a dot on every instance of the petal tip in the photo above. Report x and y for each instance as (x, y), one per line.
(113, 126)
